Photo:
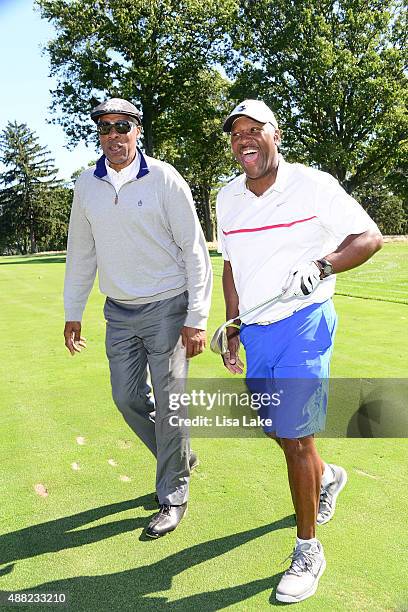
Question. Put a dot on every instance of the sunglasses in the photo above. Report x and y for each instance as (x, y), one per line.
(121, 127)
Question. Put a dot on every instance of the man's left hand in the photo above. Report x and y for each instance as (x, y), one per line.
(302, 280)
(194, 340)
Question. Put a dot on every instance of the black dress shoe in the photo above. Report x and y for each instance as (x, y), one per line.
(166, 520)
(193, 462)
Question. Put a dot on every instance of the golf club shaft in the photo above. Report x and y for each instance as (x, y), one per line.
(247, 312)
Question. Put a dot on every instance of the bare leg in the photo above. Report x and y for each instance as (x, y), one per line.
(278, 441)
(304, 473)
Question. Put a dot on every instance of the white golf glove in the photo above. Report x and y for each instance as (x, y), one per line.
(302, 280)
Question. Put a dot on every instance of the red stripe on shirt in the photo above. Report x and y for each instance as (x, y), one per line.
(267, 227)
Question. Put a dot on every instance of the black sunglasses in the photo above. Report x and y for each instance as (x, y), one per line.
(121, 127)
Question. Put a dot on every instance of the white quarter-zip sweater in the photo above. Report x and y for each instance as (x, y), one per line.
(145, 241)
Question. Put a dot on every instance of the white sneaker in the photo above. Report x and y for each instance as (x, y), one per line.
(301, 580)
(329, 494)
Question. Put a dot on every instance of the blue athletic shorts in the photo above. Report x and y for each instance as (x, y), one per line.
(289, 361)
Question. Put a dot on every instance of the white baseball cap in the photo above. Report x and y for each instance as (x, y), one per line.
(254, 109)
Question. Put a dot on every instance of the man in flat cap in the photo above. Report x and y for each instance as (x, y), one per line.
(133, 220)
(288, 229)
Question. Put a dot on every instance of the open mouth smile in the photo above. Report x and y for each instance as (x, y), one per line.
(249, 155)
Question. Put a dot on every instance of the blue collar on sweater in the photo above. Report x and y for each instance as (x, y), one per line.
(101, 172)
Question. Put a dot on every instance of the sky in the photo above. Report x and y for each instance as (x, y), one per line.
(25, 84)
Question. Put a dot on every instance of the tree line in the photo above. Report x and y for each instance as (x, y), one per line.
(34, 205)
(334, 72)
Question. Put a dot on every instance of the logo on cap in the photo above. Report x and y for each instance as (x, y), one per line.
(241, 107)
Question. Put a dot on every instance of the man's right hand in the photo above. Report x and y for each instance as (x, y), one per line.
(231, 359)
(73, 339)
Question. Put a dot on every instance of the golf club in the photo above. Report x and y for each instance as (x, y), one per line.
(219, 341)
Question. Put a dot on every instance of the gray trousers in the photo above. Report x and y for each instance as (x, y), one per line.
(149, 334)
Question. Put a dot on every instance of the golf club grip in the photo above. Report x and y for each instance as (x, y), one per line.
(221, 331)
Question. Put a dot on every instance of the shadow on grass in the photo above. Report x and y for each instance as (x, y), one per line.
(44, 259)
(130, 589)
(53, 536)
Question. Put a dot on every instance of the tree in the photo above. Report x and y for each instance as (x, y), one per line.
(385, 196)
(397, 182)
(147, 51)
(59, 201)
(190, 137)
(77, 173)
(335, 72)
(384, 206)
(26, 208)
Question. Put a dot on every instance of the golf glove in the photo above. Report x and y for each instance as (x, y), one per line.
(302, 280)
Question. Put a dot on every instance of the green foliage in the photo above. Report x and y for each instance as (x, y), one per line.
(77, 173)
(160, 56)
(145, 51)
(386, 208)
(190, 137)
(385, 196)
(59, 201)
(335, 74)
(33, 204)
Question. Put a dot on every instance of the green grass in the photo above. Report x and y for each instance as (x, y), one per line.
(85, 537)
(384, 277)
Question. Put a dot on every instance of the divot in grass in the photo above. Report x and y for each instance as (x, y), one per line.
(81, 440)
(75, 466)
(112, 462)
(125, 478)
(41, 490)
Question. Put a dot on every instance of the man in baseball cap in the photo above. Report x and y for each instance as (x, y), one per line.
(285, 230)
(254, 109)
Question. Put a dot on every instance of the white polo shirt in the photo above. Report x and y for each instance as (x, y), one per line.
(126, 174)
(302, 217)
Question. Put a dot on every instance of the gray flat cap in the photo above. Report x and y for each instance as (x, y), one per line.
(116, 106)
(254, 109)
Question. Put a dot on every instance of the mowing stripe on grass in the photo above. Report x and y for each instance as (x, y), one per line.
(374, 298)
